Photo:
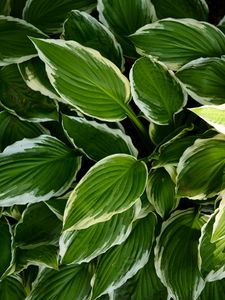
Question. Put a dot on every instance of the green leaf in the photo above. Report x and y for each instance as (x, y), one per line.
(124, 19)
(97, 140)
(176, 42)
(15, 45)
(85, 29)
(57, 205)
(156, 91)
(5, 7)
(17, 8)
(70, 282)
(213, 290)
(50, 164)
(110, 187)
(38, 226)
(161, 192)
(84, 245)
(19, 99)
(197, 9)
(200, 172)
(49, 16)
(204, 79)
(218, 232)
(122, 262)
(214, 115)
(12, 288)
(96, 86)
(176, 255)
(13, 129)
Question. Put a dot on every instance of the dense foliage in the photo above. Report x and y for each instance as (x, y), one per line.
(112, 150)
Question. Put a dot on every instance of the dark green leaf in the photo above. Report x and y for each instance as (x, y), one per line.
(57, 205)
(11, 288)
(5, 7)
(213, 290)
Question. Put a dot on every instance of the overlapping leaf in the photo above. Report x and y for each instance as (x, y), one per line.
(5, 7)
(12, 288)
(213, 290)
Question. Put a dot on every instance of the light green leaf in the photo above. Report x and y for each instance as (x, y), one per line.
(195, 9)
(204, 79)
(50, 164)
(110, 187)
(218, 232)
(200, 171)
(214, 115)
(85, 29)
(97, 140)
(178, 41)
(176, 255)
(13, 129)
(123, 19)
(84, 245)
(70, 282)
(122, 262)
(213, 290)
(38, 226)
(161, 192)
(156, 91)
(15, 44)
(96, 86)
(12, 288)
(49, 16)
(5, 7)
(19, 99)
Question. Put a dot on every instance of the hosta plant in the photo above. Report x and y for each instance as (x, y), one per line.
(112, 150)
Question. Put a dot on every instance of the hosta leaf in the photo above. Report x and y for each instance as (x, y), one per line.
(213, 115)
(178, 41)
(17, 8)
(110, 187)
(49, 16)
(38, 226)
(156, 91)
(85, 29)
(97, 140)
(161, 192)
(218, 232)
(15, 44)
(200, 172)
(122, 262)
(34, 170)
(13, 129)
(204, 79)
(176, 255)
(5, 7)
(213, 290)
(57, 205)
(124, 19)
(196, 9)
(19, 99)
(84, 245)
(96, 86)
(12, 288)
(70, 282)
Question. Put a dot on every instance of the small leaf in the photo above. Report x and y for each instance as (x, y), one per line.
(12, 288)
(200, 172)
(213, 290)
(97, 140)
(96, 86)
(218, 232)
(110, 187)
(15, 45)
(122, 262)
(176, 42)
(176, 255)
(50, 164)
(156, 91)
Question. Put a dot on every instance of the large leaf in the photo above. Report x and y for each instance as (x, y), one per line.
(12, 288)
(110, 187)
(201, 169)
(195, 9)
(5, 7)
(178, 41)
(213, 290)
(124, 18)
(15, 45)
(19, 99)
(156, 91)
(204, 79)
(70, 282)
(85, 29)
(84, 245)
(13, 129)
(177, 255)
(95, 86)
(34, 170)
(97, 140)
(49, 16)
(122, 262)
